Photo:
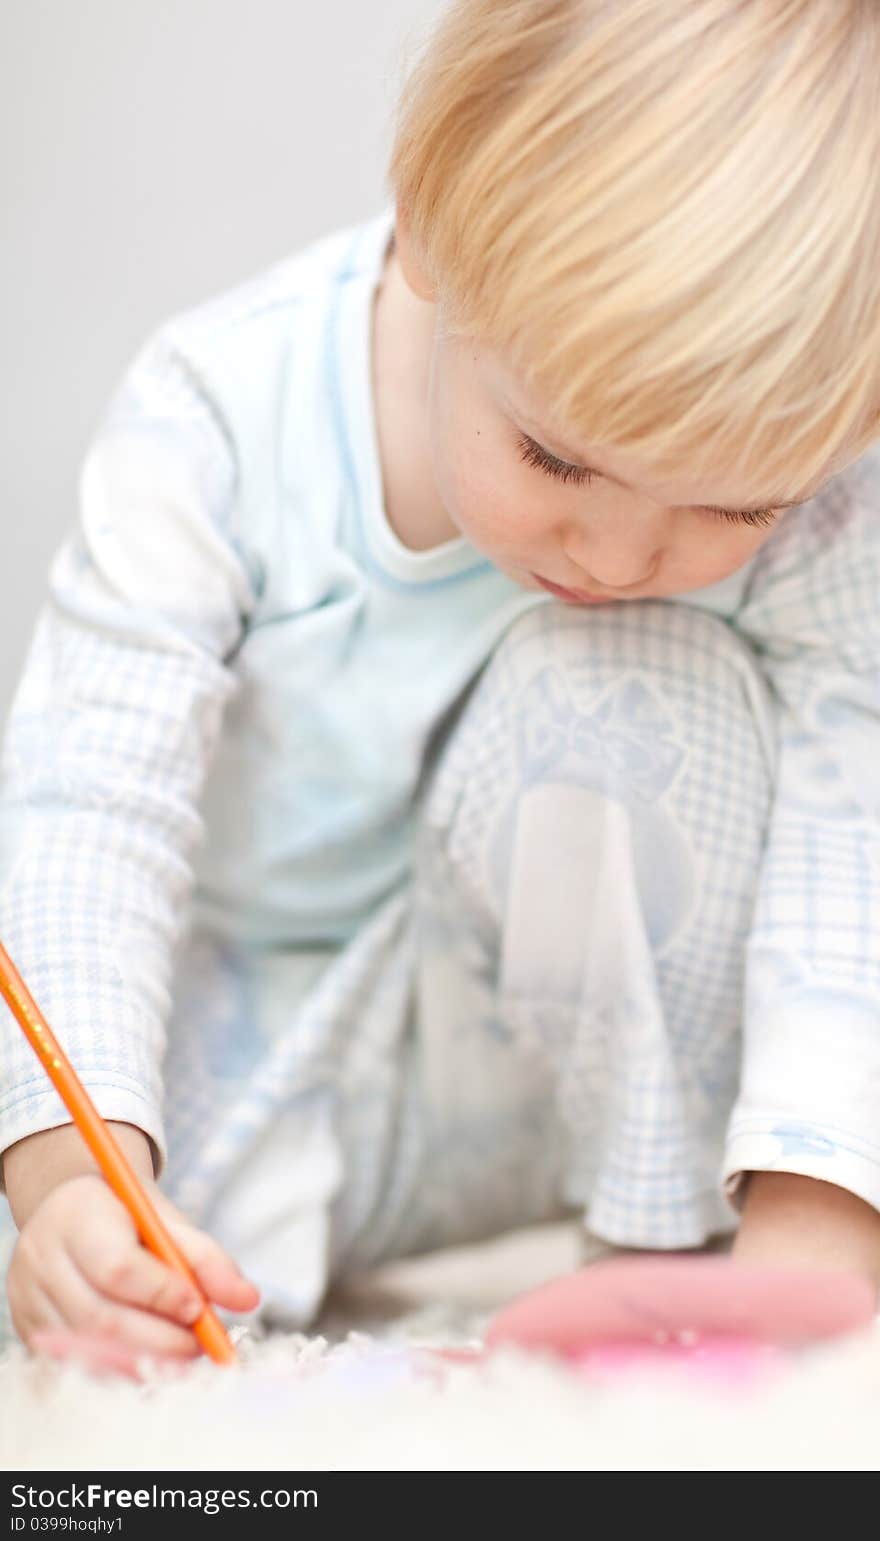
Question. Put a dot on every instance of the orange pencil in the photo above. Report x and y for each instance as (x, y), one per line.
(109, 1155)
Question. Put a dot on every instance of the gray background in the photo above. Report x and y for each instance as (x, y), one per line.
(152, 154)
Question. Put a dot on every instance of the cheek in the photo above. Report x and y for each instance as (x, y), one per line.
(721, 549)
(475, 479)
(489, 507)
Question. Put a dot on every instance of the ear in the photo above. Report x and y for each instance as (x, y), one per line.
(413, 270)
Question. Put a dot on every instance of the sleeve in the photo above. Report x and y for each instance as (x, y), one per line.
(109, 739)
(809, 1098)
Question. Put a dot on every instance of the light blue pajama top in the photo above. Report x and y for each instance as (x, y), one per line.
(232, 567)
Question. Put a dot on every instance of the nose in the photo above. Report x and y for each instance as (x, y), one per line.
(615, 556)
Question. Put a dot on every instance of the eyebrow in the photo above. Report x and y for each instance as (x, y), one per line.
(742, 508)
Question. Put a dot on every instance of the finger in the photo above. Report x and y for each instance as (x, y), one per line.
(33, 1313)
(121, 1269)
(220, 1278)
(223, 1284)
(85, 1310)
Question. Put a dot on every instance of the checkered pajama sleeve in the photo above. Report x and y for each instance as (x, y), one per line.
(108, 742)
(810, 1089)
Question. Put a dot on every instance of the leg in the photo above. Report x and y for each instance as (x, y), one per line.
(585, 875)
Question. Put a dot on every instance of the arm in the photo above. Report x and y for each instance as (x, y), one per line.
(809, 1104)
(108, 743)
(803, 1221)
(34, 1166)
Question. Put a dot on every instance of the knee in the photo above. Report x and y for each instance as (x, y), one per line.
(625, 701)
(636, 737)
(658, 637)
(627, 680)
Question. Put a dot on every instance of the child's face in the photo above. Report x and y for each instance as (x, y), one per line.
(612, 536)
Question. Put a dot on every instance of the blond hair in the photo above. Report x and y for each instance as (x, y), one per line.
(665, 216)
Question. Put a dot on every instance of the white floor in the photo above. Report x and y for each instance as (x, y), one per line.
(358, 1398)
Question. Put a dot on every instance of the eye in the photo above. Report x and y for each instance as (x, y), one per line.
(754, 516)
(535, 455)
(532, 453)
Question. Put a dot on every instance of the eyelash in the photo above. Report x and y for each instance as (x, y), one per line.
(753, 516)
(563, 471)
(534, 455)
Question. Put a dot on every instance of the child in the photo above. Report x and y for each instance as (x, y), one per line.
(453, 727)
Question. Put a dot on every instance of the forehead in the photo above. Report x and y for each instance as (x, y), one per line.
(520, 404)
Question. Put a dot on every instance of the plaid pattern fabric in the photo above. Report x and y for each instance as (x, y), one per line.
(644, 844)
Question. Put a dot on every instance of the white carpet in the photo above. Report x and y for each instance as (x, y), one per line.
(353, 1398)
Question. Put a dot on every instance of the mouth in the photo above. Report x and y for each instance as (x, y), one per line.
(574, 596)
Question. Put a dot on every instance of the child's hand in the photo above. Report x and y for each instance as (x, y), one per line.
(79, 1264)
(802, 1222)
